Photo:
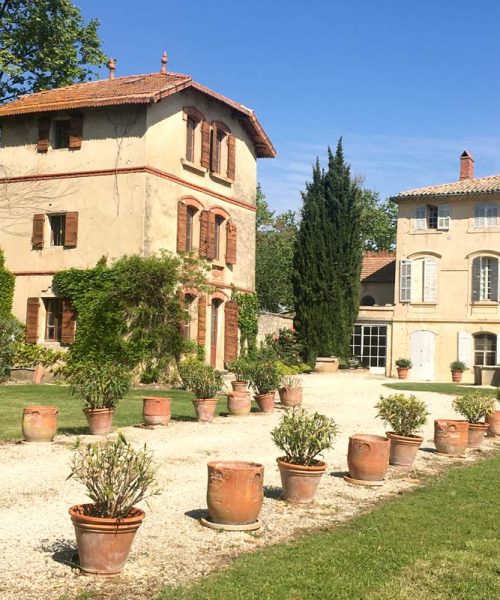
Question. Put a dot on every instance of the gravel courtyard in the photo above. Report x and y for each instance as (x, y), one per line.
(37, 538)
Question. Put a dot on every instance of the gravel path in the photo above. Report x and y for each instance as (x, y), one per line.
(37, 538)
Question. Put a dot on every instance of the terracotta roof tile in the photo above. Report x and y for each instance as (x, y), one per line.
(379, 267)
(479, 185)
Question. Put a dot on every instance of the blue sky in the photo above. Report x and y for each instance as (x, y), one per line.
(408, 84)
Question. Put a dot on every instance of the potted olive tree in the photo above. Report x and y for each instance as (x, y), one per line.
(240, 369)
(406, 415)
(403, 365)
(101, 386)
(205, 382)
(290, 391)
(117, 478)
(475, 407)
(457, 367)
(302, 437)
(265, 378)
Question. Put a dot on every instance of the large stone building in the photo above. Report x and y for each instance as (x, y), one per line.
(129, 165)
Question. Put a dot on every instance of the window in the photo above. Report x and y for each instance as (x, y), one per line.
(485, 349)
(53, 321)
(188, 319)
(432, 217)
(405, 281)
(218, 233)
(222, 151)
(485, 215)
(61, 136)
(418, 280)
(190, 228)
(485, 279)
(191, 138)
(367, 301)
(57, 228)
(369, 344)
(219, 150)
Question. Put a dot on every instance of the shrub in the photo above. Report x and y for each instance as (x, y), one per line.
(10, 333)
(116, 476)
(201, 379)
(302, 436)
(28, 356)
(265, 376)
(404, 363)
(99, 385)
(458, 365)
(240, 368)
(406, 415)
(475, 406)
(291, 381)
(287, 347)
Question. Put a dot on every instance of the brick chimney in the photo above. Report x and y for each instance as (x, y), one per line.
(466, 166)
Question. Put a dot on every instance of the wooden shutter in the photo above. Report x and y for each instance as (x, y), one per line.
(405, 281)
(430, 272)
(204, 232)
(71, 230)
(420, 217)
(205, 145)
(75, 132)
(231, 157)
(465, 345)
(38, 227)
(43, 134)
(231, 243)
(444, 217)
(68, 323)
(494, 279)
(211, 250)
(230, 331)
(181, 226)
(32, 309)
(476, 279)
(214, 151)
(202, 321)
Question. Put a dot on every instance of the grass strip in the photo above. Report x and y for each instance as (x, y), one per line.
(453, 389)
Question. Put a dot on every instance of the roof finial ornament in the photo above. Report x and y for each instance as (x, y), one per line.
(164, 61)
(111, 67)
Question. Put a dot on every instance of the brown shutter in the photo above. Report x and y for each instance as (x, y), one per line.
(68, 324)
(214, 151)
(38, 227)
(231, 243)
(205, 145)
(43, 134)
(71, 230)
(211, 253)
(75, 132)
(202, 320)
(181, 226)
(231, 157)
(230, 331)
(204, 232)
(32, 309)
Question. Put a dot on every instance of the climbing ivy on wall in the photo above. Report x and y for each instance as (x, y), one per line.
(248, 319)
(7, 282)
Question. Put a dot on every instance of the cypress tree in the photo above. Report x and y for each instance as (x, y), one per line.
(327, 260)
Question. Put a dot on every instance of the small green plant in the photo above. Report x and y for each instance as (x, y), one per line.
(303, 436)
(116, 476)
(406, 415)
(10, 333)
(201, 379)
(265, 376)
(458, 365)
(404, 363)
(99, 385)
(475, 406)
(28, 356)
(241, 369)
(291, 381)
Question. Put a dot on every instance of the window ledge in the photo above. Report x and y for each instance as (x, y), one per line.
(218, 264)
(485, 303)
(427, 231)
(193, 167)
(483, 229)
(423, 303)
(221, 178)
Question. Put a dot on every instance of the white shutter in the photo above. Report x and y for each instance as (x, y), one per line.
(444, 217)
(405, 280)
(491, 214)
(430, 270)
(465, 345)
(421, 217)
(479, 215)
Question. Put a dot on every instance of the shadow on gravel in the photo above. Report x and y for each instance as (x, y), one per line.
(339, 474)
(197, 513)
(273, 491)
(63, 551)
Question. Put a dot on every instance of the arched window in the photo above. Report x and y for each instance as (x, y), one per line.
(367, 301)
(485, 279)
(485, 349)
(222, 160)
(191, 212)
(219, 237)
(189, 315)
(418, 280)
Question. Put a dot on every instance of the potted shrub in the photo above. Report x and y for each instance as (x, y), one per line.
(403, 365)
(290, 391)
(240, 369)
(406, 415)
(302, 437)
(101, 386)
(205, 382)
(474, 407)
(457, 368)
(117, 477)
(265, 378)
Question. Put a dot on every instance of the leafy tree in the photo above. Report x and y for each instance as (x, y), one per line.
(327, 259)
(379, 222)
(45, 44)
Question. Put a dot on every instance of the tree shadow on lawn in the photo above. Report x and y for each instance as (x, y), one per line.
(63, 551)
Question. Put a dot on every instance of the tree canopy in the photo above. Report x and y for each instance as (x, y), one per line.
(379, 220)
(45, 44)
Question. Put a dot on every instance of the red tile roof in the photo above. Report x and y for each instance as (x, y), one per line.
(134, 89)
(379, 267)
(479, 185)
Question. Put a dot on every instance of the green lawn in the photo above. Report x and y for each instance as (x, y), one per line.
(441, 388)
(439, 542)
(13, 398)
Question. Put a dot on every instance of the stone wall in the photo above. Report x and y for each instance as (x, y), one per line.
(271, 323)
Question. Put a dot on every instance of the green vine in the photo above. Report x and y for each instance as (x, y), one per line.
(7, 282)
(248, 319)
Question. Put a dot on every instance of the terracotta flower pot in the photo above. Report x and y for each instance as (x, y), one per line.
(265, 402)
(239, 386)
(239, 404)
(205, 409)
(156, 410)
(456, 376)
(235, 491)
(39, 423)
(300, 482)
(493, 421)
(477, 432)
(326, 364)
(104, 544)
(99, 420)
(402, 372)
(451, 436)
(290, 396)
(368, 457)
(403, 449)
